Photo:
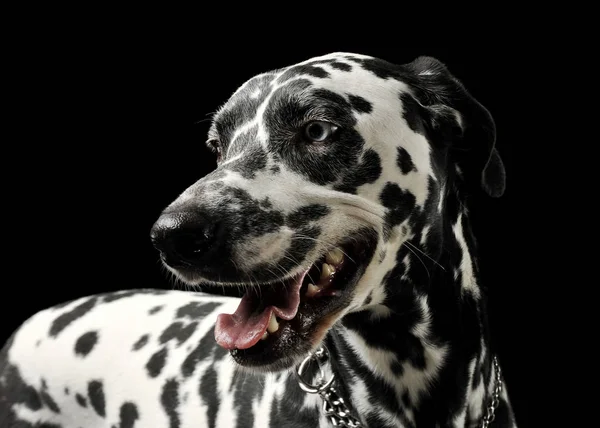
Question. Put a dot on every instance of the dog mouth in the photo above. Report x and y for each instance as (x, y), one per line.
(277, 322)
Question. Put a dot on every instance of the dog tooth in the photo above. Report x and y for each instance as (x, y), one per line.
(264, 336)
(273, 324)
(327, 270)
(312, 290)
(334, 256)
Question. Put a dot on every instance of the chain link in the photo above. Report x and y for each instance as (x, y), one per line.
(336, 409)
(495, 401)
(334, 406)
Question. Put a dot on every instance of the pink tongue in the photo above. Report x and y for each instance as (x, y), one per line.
(244, 328)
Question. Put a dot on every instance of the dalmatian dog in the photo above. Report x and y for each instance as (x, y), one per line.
(339, 208)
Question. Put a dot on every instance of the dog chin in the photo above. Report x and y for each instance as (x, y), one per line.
(185, 277)
(282, 365)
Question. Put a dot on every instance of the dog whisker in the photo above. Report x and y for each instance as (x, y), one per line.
(421, 260)
(425, 254)
(324, 243)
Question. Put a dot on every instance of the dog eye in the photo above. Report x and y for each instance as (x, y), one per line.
(215, 146)
(318, 131)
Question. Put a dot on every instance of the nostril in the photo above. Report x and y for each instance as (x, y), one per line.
(183, 237)
(191, 244)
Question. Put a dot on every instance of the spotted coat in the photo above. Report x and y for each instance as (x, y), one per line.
(408, 340)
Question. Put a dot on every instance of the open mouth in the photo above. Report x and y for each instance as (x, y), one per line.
(276, 322)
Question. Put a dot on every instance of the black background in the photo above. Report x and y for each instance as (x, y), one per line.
(114, 130)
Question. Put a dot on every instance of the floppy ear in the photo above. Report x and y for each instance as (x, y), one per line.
(452, 110)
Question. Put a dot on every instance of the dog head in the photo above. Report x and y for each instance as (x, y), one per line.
(323, 170)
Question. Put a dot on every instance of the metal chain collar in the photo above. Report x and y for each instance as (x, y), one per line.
(489, 417)
(334, 406)
(338, 413)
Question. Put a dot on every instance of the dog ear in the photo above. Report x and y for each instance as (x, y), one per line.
(461, 118)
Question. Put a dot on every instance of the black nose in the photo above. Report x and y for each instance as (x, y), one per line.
(183, 237)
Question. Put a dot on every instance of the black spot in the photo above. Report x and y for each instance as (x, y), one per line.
(64, 320)
(140, 342)
(275, 169)
(338, 65)
(38, 343)
(169, 399)
(397, 368)
(305, 69)
(378, 67)
(368, 171)
(179, 332)
(96, 395)
(306, 214)
(66, 390)
(157, 362)
(81, 400)
(400, 204)
(12, 385)
(208, 395)
(155, 309)
(49, 401)
(404, 161)
(341, 66)
(196, 310)
(128, 415)
(266, 203)
(360, 104)
(85, 343)
(200, 353)
(246, 390)
(413, 113)
(368, 299)
(111, 297)
(118, 295)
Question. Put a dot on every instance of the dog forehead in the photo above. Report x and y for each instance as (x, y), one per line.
(352, 77)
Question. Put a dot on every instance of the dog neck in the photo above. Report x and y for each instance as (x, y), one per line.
(418, 353)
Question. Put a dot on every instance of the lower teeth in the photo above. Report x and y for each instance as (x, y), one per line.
(333, 259)
(312, 290)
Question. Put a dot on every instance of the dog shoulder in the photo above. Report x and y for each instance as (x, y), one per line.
(75, 355)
